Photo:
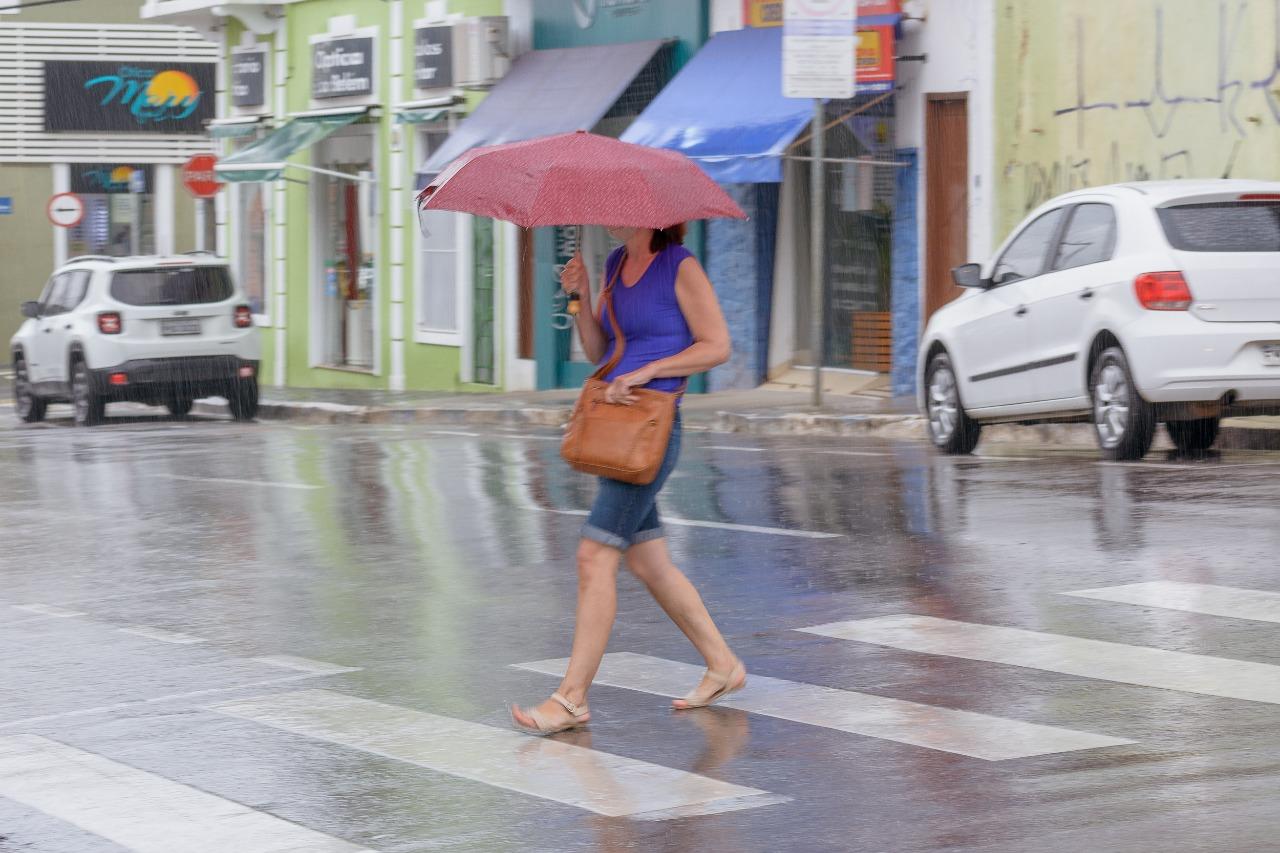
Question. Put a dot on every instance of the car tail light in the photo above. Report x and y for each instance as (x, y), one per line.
(109, 323)
(1163, 291)
(1259, 197)
(246, 371)
(244, 317)
(119, 379)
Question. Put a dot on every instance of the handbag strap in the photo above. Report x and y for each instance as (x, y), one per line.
(620, 340)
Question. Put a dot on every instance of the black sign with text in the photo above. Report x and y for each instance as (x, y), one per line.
(342, 68)
(249, 78)
(109, 178)
(433, 57)
(128, 97)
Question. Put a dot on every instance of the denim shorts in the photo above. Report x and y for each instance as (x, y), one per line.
(625, 514)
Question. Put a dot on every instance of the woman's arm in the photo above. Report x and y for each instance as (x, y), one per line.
(574, 279)
(710, 348)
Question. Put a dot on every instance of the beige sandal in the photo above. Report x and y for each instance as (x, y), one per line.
(580, 714)
(722, 686)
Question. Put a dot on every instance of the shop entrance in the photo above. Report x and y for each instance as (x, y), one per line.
(116, 221)
(345, 231)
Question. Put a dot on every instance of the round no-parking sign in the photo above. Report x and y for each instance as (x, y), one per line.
(65, 210)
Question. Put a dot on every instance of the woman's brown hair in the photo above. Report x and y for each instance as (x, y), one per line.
(663, 237)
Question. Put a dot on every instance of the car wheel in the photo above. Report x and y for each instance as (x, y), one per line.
(30, 408)
(1124, 423)
(1193, 436)
(243, 400)
(90, 408)
(179, 407)
(952, 431)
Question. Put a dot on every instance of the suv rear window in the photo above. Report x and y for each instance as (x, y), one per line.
(1233, 226)
(176, 286)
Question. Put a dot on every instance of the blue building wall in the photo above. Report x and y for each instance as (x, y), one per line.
(906, 274)
(740, 266)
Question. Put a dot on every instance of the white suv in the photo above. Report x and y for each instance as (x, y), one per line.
(149, 330)
(1122, 305)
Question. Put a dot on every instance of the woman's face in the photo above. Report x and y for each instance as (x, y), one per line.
(622, 235)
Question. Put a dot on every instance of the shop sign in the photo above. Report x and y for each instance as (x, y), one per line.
(586, 11)
(433, 57)
(109, 178)
(342, 68)
(6, 205)
(248, 78)
(875, 59)
(768, 13)
(128, 97)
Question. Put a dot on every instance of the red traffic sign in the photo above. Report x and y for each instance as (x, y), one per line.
(199, 178)
(65, 210)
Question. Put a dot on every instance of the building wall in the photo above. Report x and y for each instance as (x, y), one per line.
(1094, 92)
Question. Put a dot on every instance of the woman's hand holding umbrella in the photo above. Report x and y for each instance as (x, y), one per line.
(574, 281)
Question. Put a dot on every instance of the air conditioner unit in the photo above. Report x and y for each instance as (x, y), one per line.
(482, 51)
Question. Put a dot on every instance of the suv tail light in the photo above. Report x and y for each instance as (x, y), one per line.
(244, 317)
(109, 323)
(1163, 291)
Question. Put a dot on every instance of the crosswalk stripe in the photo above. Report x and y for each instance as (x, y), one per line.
(1098, 659)
(48, 610)
(1211, 600)
(600, 782)
(944, 729)
(175, 637)
(715, 525)
(141, 811)
(317, 667)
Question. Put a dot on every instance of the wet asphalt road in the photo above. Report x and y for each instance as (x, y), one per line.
(154, 571)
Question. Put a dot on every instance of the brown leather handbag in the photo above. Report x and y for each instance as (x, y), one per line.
(614, 440)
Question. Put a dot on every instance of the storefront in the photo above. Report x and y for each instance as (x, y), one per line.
(109, 112)
(756, 143)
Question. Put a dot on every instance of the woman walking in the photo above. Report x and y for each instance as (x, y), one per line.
(673, 328)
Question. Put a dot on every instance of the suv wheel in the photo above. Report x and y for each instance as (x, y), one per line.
(29, 407)
(1193, 436)
(953, 432)
(178, 405)
(1124, 423)
(89, 406)
(242, 399)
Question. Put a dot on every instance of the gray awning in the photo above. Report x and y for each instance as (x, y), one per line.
(546, 92)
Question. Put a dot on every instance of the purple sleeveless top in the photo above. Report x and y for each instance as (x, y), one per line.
(649, 315)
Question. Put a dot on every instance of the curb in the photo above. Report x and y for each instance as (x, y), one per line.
(894, 427)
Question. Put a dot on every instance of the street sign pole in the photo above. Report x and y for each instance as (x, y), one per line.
(819, 46)
(817, 246)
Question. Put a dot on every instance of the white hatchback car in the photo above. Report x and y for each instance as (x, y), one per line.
(1122, 305)
(145, 329)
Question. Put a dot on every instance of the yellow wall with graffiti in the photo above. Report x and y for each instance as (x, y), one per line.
(1092, 92)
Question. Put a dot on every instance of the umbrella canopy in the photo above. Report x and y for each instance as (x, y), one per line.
(579, 179)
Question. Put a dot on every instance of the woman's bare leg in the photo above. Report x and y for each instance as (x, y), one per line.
(651, 563)
(597, 606)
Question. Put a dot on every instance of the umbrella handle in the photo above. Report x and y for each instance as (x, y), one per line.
(575, 298)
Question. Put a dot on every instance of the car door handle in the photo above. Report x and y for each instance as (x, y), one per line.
(1086, 294)
(1021, 312)
(48, 329)
(68, 326)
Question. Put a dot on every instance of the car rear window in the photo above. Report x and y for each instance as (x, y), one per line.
(175, 286)
(1233, 226)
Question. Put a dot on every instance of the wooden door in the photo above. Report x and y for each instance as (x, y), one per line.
(946, 196)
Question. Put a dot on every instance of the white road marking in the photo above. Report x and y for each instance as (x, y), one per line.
(1257, 605)
(1190, 465)
(719, 525)
(316, 667)
(599, 782)
(529, 437)
(945, 729)
(141, 811)
(453, 432)
(842, 452)
(120, 706)
(731, 447)
(237, 482)
(48, 610)
(162, 635)
(1098, 659)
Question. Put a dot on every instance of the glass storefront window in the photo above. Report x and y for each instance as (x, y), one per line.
(108, 225)
(250, 223)
(347, 230)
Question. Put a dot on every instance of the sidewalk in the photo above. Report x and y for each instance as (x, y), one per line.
(757, 412)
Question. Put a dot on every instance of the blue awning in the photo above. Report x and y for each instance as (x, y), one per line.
(725, 109)
(546, 92)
